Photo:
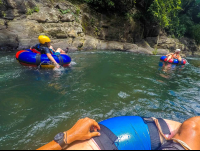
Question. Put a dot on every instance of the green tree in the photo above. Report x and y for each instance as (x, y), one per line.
(165, 11)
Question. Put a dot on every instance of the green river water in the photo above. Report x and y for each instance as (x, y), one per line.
(35, 104)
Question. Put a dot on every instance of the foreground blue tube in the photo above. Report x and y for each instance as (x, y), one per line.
(132, 132)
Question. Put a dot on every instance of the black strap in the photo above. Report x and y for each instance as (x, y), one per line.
(154, 134)
(170, 145)
(38, 59)
(107, 139)
(61, 60)
(164, 126)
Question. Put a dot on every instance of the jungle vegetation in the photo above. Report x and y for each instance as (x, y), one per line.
(177, 17)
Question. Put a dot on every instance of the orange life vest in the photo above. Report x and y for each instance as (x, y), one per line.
(175, 56)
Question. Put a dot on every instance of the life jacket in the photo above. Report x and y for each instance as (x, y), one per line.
(38, 49)
(175, 56)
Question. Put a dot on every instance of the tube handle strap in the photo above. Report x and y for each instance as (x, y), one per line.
(154, 133)
(164, 126)
(38, 59)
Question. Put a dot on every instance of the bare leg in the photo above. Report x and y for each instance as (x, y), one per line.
(61, 51)
(180, 59)
(189, 133)
(169, 57)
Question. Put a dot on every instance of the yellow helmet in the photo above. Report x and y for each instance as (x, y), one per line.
(43, 39)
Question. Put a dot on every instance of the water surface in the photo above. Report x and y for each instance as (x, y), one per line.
(35, 104)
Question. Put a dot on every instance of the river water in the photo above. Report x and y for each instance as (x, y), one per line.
(35, 104)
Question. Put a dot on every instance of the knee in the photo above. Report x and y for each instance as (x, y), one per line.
(192, 124)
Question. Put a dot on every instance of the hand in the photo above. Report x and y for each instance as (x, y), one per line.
(57, 65)
(51, 47)
(81, 130)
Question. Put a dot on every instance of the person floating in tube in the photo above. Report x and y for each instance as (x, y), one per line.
(185, 136)
(44, 47)
(175, 55)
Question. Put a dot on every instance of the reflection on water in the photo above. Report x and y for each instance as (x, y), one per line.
(37, 104)
(169, 69)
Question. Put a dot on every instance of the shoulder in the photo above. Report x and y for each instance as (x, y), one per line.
(46, 49)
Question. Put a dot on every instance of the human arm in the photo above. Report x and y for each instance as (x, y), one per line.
(79, 132)
(169, 54)
(51, 47)
(53, 60)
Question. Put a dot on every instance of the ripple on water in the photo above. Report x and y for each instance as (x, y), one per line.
(37, 104)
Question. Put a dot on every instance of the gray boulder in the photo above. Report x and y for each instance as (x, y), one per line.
(8, 39)
(46, 14)
(67, 18)
(90, 43)
(129, 46)
(162, 51)
(2, 24)
(140, 50)
(113, 45)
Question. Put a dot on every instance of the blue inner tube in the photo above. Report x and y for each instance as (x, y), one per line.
(28, 57)
(174, 61)
(132, 132)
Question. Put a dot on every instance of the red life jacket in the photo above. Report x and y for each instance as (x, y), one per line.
(35, 51)
(38, 49)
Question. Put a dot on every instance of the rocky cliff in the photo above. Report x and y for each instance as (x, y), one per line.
(79, 28)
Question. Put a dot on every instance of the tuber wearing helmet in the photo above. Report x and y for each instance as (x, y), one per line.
(43, 39)
(178, 50)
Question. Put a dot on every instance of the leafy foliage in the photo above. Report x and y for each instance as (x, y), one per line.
(65, 11)
(177, 17)
(195, 33)
(31, 11)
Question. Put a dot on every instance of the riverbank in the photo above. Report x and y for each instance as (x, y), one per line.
(80, 28)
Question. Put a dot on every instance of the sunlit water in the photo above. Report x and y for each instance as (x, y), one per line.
(35, 104)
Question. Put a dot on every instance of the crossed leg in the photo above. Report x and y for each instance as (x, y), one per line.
(170, 57)
(60, 51)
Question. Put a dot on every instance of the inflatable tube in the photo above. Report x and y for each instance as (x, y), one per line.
(132, 133)
(173, 61)
(28, 58)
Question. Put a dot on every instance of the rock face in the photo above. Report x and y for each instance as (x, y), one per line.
(164, 43)
(79, 28)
